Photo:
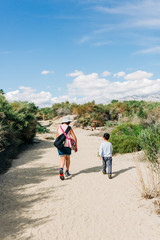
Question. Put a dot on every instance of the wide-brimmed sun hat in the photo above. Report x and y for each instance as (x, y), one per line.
(66, 119)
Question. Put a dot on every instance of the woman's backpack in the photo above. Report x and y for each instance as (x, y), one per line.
(60, 140)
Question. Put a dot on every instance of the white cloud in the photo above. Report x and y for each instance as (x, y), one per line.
(155, 50)
(119, 74)
(84, 39)
(141, 9)
(92, 87)
(75, 74)
(128, 15)
(152, 23)
(138, 75)
(106, 73)
(64, 98)
(100, 44)
(42, 98)
(45, 72)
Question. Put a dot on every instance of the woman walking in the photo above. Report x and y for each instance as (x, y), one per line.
(65, 152)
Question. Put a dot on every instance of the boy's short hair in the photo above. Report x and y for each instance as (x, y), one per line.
(106, 136)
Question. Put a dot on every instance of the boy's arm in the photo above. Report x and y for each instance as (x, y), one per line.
(100, 152)
(111, 147)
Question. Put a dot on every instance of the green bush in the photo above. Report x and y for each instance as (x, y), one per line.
(125, 138)
(101, 113)
(40, 129)
(149, 140)
(24, 121)
(45, 114)
(17, 123)
(111, 124)
(17, 127)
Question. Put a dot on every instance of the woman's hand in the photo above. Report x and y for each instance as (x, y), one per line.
(76, 149)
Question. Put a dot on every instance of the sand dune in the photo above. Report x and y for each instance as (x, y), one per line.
(35, 204)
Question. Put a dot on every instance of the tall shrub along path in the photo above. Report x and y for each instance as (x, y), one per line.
(35, 204)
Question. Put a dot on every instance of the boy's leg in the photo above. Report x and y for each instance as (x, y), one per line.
(104, 165)
(109, 162)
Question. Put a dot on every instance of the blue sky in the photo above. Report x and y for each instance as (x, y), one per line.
(58, 50)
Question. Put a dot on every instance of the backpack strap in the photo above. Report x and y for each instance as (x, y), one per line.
(66, 132)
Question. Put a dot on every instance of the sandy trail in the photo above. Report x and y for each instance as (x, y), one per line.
(35, 204)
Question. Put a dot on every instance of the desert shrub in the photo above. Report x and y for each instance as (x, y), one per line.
(40, 129)
(111, 124)
(115, 108)
(45, 114)
(100, 113)
(84, 121)
(17, 127)
(9, 138)
(149, 179)
(24, 121)
(153, 116)
(61, 109)
(142, 113)
(149, 140)
(17, 121)
(125, 138)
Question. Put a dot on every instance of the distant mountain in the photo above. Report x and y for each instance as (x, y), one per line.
(147, 98)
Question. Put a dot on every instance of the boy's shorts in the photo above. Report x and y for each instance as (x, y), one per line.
(64, 151)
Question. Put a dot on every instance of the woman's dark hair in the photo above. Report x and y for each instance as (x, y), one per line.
(67, 123)
(106, 136)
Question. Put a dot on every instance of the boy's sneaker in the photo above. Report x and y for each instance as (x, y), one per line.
(109, 176)
(67, 174)
(104, 172)
(61, 174)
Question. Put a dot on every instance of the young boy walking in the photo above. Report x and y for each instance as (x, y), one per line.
(105, 153)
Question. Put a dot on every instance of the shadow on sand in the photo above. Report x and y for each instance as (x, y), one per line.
(13, 203)
(88, 170)
(115, 174)
(99, 169)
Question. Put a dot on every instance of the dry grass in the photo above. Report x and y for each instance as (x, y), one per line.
(157, 206)
(149, 179)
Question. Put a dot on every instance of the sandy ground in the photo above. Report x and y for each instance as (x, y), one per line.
(35, 204)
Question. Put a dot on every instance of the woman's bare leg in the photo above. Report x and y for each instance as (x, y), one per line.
(63, 158)
(67, 162)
